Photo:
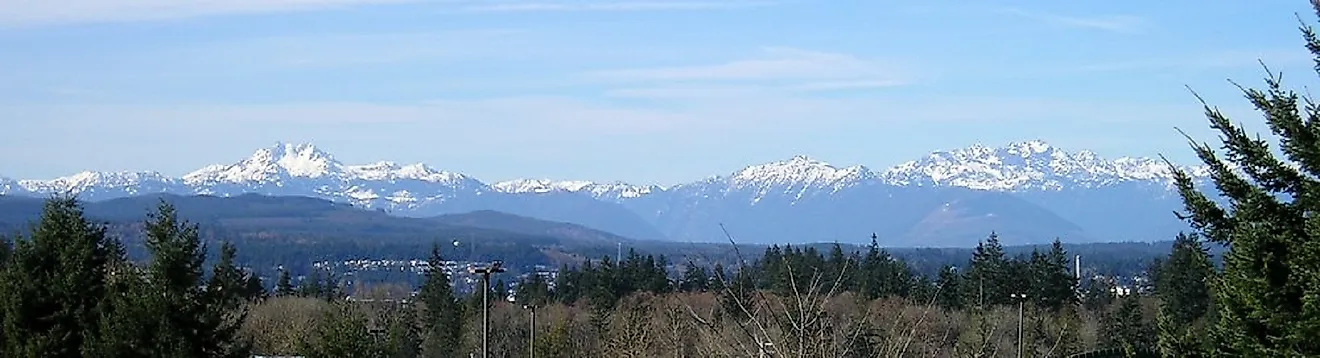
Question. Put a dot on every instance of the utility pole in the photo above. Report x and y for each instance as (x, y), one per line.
(496, 266)
(1022, 300)
(531, 331)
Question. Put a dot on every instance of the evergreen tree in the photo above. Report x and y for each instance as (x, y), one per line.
(950, 288)
(442, 320)
(253, 289)
(175, 276)
(1127, 329)
(284, 287)
(194, 320)
(401, 338)
(500, 292)
(128, 321)
(1097, 295)
(311, 285)
(695, 278)
(227, 294)
(1268, 296)
(1053, 284)
(1182, 282)
(6, 248)
(988, 276)
(533, 290)
(53, 285)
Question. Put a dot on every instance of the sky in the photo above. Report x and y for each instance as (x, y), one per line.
(644, 91)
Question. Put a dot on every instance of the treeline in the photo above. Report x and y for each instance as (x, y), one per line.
(68, 290)
(990, 277)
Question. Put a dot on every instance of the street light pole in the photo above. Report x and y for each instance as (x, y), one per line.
(1022, 300)
(496, 266)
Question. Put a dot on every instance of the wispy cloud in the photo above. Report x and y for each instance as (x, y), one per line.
(23, 13)
(1195, 62)
(774, 64)
(614, 6)
(1111, 23)
(55, 12)
(724, 92)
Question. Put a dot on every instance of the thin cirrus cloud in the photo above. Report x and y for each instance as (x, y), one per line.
(614, 6)
(778, 70)
(26, 13)
(1111, 23)
(776, 63)
(57, 12)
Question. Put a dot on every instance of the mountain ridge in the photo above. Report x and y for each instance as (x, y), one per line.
(942, 186)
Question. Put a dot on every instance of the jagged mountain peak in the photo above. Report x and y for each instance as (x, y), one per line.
(521, 186)
(298, 159)
(1033, 164)
(798, 169)
(615, 190)
(271, 164)
(388, 170)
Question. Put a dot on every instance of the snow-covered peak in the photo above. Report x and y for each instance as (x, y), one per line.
(525, 186)
(387, 170)
(86, 180)
(269, 164)
(799, 169)
(607, 191)
(1025, 165)
(1028, 148)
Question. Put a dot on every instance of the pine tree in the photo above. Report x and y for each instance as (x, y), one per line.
(53, 286)
(950, 288)
(1127, 329)
(988, 276)
(1052, 284)
(533, 290)
(284, 287)
(695, 279)
(442, 320)
(1182, 282)
(1268, 296)
(128, 322)
(500, 292)
(175, 277)
(226, 297)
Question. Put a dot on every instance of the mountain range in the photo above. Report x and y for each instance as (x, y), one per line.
(1027, 192)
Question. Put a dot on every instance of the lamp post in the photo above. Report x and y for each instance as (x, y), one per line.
(531, 331)
(1022, 300)
(496, 266)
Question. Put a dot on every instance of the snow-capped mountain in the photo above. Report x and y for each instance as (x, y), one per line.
(976, 180)
(1031, 165)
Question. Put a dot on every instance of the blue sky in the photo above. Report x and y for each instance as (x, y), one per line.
(643, 91)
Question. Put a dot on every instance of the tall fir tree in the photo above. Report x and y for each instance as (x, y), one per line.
(194, 317)
(1182, 282)
(1054, 286)
(227, 294)
(53, 286)
(175, 276)
(1268, 297)
(284, 285)
(988, 275)
(949, 288)
(1126, 328)
(695, 278)
(442, 320)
